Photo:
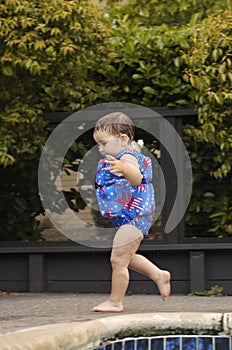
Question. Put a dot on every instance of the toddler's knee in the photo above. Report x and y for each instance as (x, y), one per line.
(115, 261)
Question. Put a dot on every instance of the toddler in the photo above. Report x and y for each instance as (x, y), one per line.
(125, 195)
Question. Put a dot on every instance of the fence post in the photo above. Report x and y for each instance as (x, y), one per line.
(36, 273)
(197, 271)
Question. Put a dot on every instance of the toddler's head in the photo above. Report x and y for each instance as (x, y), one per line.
(116, 124)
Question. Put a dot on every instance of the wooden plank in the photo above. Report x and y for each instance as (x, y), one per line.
(13, 267)
(57, 117)
(147, 245)
(218, 265)
(148, 287)
(14, 286)
(78, 267)
(225, 284)
(138, 287)
(176, 263)
(78, 286)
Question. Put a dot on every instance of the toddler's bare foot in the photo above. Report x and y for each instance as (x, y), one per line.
(163, 284)
(107, 306)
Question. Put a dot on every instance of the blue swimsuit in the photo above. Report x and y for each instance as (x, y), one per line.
(122, 202)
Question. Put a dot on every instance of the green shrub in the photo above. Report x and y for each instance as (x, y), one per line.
(172, 12)
(61, 55)
(172, 66)
(144, 66)
(46, 48)
(209, 72)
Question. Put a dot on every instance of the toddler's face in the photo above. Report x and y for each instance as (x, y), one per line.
(108, 144)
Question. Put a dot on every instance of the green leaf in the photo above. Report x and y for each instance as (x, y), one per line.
(149, 90)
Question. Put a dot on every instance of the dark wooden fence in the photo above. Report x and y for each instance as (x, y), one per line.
(70, 267)
(196, 264)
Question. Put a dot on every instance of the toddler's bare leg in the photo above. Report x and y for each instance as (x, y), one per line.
(162, 278)
(126, 243)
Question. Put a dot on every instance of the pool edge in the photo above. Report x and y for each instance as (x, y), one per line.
(87, 335)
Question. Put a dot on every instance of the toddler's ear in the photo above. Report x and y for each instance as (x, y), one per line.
(124, 137)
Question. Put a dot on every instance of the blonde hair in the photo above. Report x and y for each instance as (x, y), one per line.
(116, 123)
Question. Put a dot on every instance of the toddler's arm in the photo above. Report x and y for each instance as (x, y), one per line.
(130, 171)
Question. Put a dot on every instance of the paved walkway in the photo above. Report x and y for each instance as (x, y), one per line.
(24, 310)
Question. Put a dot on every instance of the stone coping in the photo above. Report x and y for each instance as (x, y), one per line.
(88, 335)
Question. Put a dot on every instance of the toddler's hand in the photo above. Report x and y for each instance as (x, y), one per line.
(108, 157)
(116, 167)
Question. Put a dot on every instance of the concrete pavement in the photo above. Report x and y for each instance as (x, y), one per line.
(24, 310)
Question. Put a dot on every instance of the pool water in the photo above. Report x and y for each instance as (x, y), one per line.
(172, 342)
